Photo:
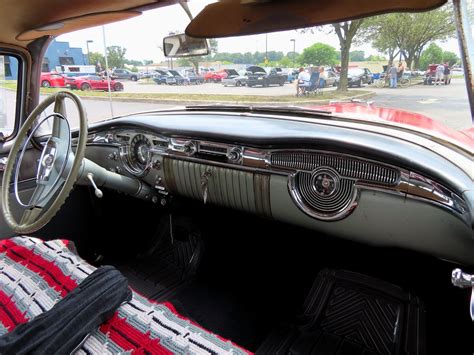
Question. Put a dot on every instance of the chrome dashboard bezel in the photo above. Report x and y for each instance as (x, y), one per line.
(410, 184)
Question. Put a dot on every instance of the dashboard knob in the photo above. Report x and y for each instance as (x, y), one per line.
(189, 148)
(235, 155)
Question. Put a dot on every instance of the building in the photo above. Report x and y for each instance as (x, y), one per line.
(57, 54)
(9, 68)
(60, 53)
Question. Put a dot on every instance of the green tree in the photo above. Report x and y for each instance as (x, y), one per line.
(431, 55)
(116, 56)
(285, 62)
(451, 58)
(410, 33)
(147, 61)
(375, 58)
(97, 57)
(357, 56)
(318, 54)
(347, 32)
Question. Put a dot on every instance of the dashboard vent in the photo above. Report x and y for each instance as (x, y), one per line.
(351, 168)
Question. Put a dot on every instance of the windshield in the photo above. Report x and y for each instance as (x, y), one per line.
(385, 64)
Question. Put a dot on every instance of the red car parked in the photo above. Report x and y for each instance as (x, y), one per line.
(92, 82)
(55, 80)
(215, 76)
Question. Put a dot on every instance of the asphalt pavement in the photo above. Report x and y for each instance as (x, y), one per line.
(447, 104)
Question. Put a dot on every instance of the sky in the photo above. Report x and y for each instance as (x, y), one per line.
(142, 36)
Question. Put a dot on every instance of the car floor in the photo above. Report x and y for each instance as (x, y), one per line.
(247, 278)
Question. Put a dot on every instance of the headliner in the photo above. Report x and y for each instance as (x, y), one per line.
(23, 18)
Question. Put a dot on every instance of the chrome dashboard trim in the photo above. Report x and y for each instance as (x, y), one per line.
(409, 184)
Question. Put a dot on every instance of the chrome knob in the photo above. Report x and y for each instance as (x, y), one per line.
(113, 156)
(189, 148)
(234, 155)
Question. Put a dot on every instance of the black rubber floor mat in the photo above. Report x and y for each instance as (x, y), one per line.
(349, 313)
(168, 265)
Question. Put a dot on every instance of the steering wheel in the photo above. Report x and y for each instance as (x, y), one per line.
(58, 167)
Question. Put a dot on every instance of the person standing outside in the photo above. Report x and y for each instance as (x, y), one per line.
(439, 74)
(393, 73)
(447, 73)
(323, 76)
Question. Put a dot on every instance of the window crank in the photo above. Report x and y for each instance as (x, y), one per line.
(462, 280)
(97, 191)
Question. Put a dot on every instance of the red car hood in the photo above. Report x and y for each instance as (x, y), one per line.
(416, 121)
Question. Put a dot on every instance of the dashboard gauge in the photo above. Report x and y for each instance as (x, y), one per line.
(139, 153)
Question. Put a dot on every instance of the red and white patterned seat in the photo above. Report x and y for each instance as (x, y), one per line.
(35, 275)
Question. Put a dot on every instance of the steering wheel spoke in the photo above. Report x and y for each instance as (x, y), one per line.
(57, 170)
(60, 124)
(30, 215)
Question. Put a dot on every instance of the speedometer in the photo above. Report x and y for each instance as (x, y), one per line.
(139, 153)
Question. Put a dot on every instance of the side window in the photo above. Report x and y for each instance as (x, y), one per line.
(9, 74)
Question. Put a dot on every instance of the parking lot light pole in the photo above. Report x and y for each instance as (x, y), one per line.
(88, 53)
(294, 51)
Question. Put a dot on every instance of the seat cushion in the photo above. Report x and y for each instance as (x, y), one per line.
(35, 275)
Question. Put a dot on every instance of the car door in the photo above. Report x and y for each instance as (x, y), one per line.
(12, 103)
(273, 77)
(101, 83)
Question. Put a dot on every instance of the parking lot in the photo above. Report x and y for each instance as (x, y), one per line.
(447, 104)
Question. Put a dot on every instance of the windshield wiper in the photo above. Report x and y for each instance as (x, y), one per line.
(259, 109)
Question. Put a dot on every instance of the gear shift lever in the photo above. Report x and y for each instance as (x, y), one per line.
(462, 280)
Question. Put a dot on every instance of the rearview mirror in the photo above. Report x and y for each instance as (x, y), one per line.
(181, 45)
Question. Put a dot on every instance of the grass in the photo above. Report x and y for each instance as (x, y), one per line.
(329, 95)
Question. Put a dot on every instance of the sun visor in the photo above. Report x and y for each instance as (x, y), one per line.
(244, 17)
(76, 23)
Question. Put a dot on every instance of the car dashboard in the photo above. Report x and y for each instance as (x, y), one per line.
(344, 182)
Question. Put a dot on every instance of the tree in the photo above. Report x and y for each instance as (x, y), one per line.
(357, 56)
(451, 58)
(116, 56)
(381, 31)
(346, 32)
(409, 33)
(431, 55)
(96, 57)
(147, 61)
(318, 54)
(375, 58)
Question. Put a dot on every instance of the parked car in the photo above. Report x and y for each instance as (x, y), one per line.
(161, 76)
(430, 75)
(52, 80)
(258, 76)
(332, 77)
(175, 78)
(234, 78)
(359, 76)
(124, 74)
(215, 77)
(93, 82)
(192, 77)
